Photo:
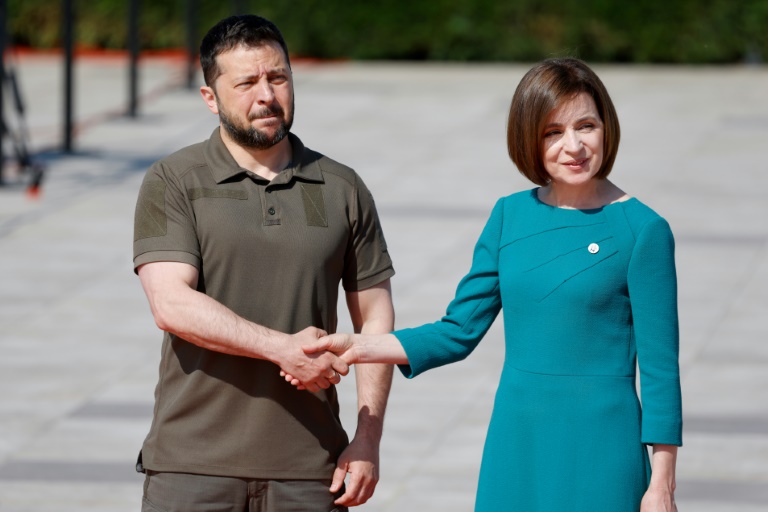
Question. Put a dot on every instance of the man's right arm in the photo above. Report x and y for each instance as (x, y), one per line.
(180, 309)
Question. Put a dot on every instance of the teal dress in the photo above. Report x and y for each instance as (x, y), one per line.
(587, 296)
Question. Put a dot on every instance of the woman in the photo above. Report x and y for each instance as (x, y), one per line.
(585, 277)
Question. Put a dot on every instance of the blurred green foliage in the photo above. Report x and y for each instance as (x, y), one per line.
(663, 31)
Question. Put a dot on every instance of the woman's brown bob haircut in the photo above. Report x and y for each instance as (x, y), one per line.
(545, 87)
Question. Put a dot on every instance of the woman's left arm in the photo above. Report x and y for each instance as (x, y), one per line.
(652, 285)
(653, 294)
(660, 496)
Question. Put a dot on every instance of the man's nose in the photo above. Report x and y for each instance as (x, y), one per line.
(264, 92)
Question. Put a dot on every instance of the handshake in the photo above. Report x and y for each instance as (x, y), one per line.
(314, 360)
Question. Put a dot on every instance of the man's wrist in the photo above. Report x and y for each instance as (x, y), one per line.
(370, 429)
(269, 345)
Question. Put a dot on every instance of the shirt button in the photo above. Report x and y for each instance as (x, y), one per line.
(593, 248)
(271, 211)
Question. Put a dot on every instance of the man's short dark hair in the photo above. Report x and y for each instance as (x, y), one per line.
(247, 30)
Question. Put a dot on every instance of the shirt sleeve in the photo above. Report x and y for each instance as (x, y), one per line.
(652, 285)
(367, 260)
(469, 315)
(164, 228)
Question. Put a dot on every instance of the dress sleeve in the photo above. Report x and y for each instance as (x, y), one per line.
(469, 315)
(653, 294)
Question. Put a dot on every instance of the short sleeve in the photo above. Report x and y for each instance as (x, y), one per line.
(164, 229)
(367, 260)
(652, 285)
(469, 315)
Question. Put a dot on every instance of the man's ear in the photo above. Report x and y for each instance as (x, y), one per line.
(209, 97)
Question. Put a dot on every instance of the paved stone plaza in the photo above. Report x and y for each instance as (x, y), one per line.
(80, 350)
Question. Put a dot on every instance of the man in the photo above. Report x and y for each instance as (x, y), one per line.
(240, 245)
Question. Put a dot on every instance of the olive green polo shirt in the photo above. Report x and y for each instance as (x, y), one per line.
(274, 253)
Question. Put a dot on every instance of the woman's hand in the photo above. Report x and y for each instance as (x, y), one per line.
(341, 344)
(658, 500)
(356, 349)
(660, 496)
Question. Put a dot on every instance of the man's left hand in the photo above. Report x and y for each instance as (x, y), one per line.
(361, 460)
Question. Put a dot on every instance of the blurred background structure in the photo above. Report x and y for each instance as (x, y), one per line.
(396, 90)
(653, 31)
(682, 31)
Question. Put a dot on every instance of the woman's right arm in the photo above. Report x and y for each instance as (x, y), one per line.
(467, 319)
(362, 348)
(469, 315)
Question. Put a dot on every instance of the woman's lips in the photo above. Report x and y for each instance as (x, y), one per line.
(576, 163)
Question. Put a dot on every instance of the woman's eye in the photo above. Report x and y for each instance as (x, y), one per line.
(551, 133)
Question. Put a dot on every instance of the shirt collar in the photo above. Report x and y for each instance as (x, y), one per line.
(303, 165)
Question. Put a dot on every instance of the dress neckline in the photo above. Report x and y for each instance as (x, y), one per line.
(535, 195)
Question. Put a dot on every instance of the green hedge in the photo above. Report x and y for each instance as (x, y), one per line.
(664, 31)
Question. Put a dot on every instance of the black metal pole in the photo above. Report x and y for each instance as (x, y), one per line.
(191, 43)
(133, 63)
(68, 20)
(3, 14)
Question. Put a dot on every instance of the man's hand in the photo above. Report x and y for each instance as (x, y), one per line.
(361, 461)
(314, 371)
(339, 344)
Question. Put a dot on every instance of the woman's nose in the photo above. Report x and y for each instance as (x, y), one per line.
(572, 141)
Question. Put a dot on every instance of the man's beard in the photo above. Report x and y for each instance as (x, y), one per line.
(250, 137)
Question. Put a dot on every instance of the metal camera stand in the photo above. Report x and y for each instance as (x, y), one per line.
(30, 171)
